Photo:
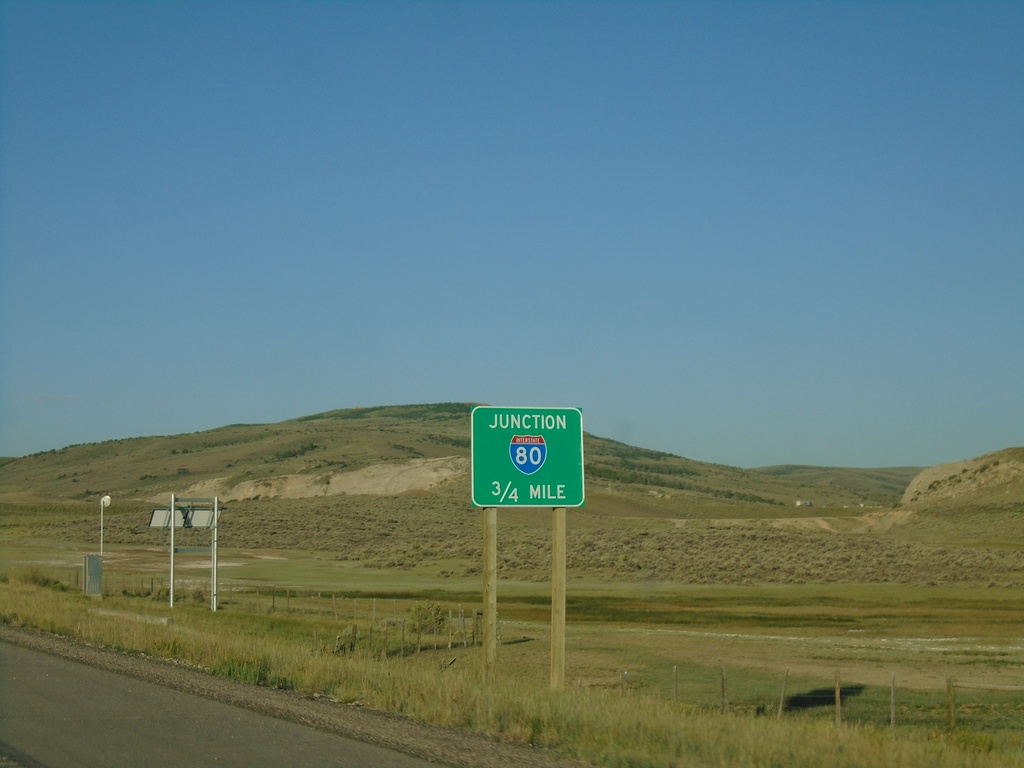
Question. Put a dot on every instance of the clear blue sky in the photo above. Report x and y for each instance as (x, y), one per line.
(744, 232)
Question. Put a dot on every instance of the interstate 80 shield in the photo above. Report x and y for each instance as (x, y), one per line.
(528, 452)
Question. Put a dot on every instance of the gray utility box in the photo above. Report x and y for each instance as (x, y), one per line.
(93, 575)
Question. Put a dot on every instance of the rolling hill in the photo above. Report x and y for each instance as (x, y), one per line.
(993, 478)
(389, 488)
(408, 449)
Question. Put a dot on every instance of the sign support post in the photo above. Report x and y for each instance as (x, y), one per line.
(558, 599)
(490, 623)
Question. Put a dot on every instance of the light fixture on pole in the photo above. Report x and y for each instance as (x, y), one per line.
(104, 503)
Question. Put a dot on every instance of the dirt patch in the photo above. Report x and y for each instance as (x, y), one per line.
(805, 524)
(881, 522)
(872, 522)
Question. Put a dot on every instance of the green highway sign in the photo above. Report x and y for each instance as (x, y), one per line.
(527, 457)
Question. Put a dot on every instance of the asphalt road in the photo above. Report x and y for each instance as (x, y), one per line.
(56, 713)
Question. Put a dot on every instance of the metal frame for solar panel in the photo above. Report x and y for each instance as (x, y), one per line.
(186, 514)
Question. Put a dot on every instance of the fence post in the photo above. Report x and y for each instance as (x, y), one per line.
(725, 697)
(839, 716)
(951, 701)
(782, 698)
(892, 702)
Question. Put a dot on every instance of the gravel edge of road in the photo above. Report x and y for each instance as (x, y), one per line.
(442, 745)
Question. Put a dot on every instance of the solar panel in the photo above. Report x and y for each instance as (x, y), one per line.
(186, 517)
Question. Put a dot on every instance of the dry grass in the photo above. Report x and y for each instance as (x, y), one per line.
(978, 546)
(599, 725)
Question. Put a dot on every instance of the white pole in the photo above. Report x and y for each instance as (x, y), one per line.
(104, 503)
(173, 511)
(213, 552)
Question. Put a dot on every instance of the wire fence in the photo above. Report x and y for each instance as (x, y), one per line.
(390, 628)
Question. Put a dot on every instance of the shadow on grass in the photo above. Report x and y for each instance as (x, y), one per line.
(518, 640)
(822, 697)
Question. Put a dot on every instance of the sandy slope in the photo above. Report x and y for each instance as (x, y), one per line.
(378, 480)
(1001, 473)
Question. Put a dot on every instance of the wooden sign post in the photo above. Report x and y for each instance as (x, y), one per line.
(490, 627)
(558, 599)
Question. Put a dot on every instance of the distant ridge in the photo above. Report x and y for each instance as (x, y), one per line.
(889, 480)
